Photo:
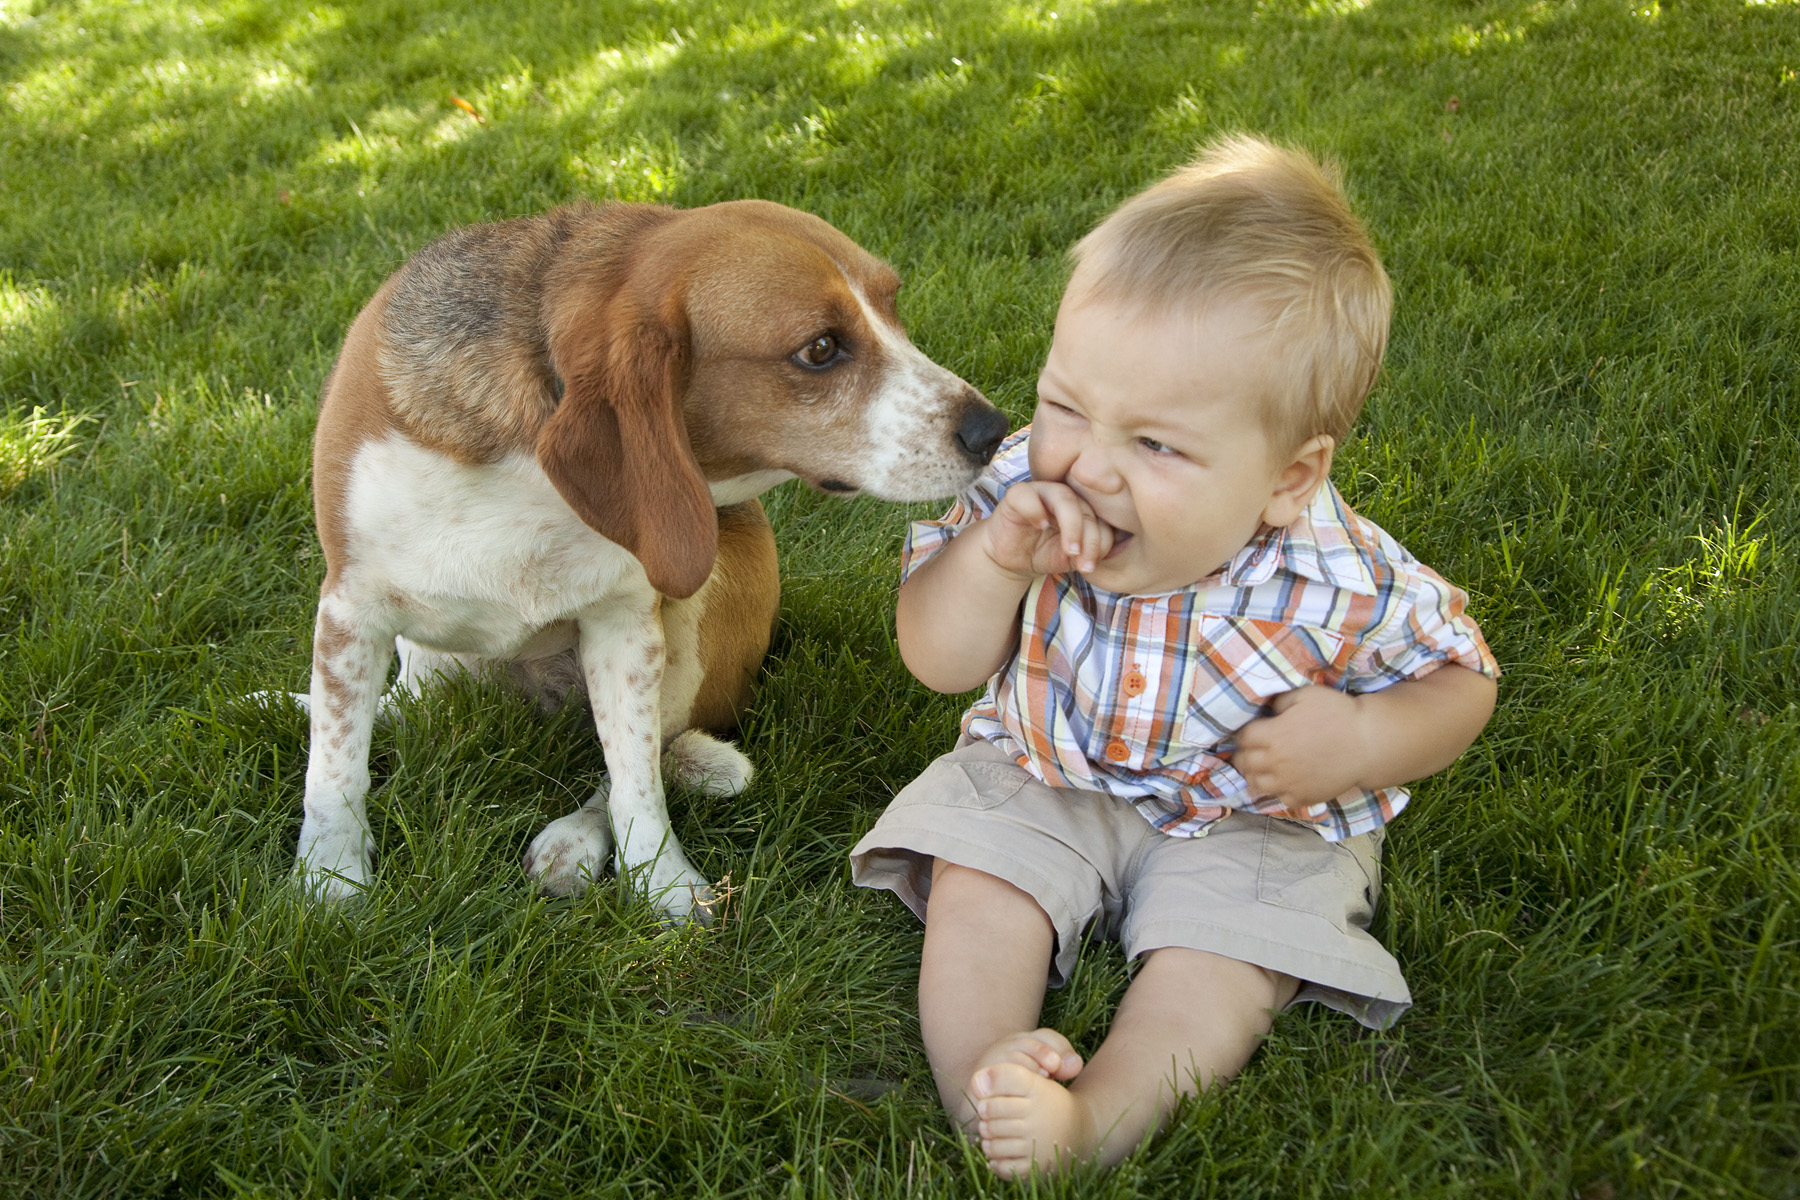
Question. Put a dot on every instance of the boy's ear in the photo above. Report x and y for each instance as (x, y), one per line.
(1300, 480)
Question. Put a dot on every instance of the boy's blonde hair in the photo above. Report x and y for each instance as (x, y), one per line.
(1249, 219)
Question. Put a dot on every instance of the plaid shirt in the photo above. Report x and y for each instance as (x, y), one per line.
(1140, 696)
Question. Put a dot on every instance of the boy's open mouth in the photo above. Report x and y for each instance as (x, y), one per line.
(1121, 539)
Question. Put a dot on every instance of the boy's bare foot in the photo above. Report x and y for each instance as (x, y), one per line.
(1025, 1117)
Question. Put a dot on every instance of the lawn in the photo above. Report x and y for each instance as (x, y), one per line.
(1589, 419)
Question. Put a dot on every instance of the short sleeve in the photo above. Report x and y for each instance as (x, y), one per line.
(924, 539)
(1432, 629)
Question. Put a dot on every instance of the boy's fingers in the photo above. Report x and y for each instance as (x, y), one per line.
(1282, 701)
(1084, 536)
(1090, 540)
(1253, 738)
(1065, 510)
(1072, 519)
(1080, 536)
(1028, 506)
(1253, 764)
(1101, 542)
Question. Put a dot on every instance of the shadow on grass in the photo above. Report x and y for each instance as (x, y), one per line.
(297, 154)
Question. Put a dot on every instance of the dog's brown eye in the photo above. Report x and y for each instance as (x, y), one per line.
(819, 352)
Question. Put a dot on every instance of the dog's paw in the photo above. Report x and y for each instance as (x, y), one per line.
(679, 892)
(658, 870)
(703, 762)
(333, 866)
(570, 853)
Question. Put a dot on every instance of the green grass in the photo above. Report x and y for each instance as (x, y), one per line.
(1591, 211)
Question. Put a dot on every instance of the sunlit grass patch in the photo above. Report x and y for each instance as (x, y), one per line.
(32, 443)
(20, 307)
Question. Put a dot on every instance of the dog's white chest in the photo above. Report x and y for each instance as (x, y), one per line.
(476, 559)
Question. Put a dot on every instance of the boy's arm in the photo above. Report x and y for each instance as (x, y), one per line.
(958, 616)
(957, 619)
(1321, 742)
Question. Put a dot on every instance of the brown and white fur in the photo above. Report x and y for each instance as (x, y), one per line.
(543, 440)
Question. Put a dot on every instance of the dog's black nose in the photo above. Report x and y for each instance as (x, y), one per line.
(982, 427)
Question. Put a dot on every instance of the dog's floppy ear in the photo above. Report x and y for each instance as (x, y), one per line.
(617, 448)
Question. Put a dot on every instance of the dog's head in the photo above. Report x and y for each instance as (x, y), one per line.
(737, 345)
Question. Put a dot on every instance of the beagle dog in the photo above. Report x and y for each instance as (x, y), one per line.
(541, 445)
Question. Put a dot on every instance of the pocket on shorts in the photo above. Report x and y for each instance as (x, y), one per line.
(988, 784)
(971, 784)
(1302, 871)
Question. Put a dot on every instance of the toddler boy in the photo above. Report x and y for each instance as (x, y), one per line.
(1207, 678)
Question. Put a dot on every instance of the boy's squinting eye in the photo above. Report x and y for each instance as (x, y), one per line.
(1156, 447)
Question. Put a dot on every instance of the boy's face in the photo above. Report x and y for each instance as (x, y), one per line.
(1153, 420)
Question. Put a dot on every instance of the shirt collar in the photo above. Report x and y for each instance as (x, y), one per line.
(1319, 545)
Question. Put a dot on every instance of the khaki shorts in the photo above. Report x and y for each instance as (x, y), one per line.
(1258, 889)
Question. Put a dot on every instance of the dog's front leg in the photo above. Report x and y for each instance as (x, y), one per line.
(350, 663)
(622, 659)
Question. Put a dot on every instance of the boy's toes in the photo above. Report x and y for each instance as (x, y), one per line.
(1010, 1168)
(1002, 1088)
(1060, 1059)
(1044, 1051)
(1009, 1158)
(1003, 1116)
(1051, 1052)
